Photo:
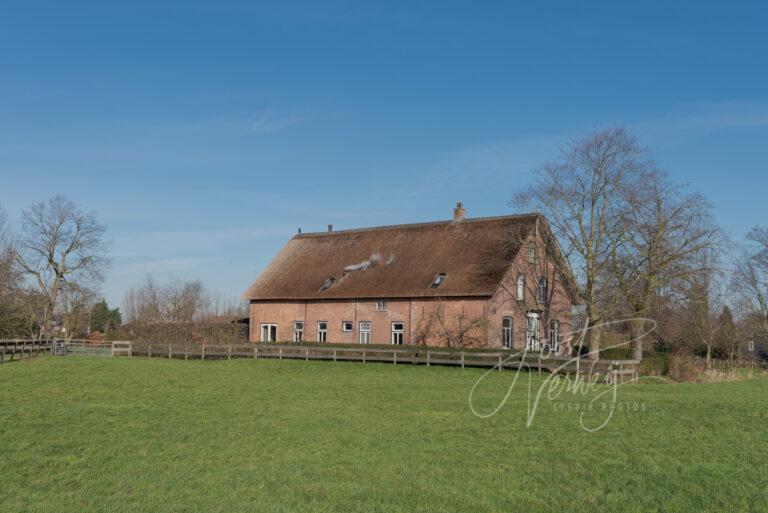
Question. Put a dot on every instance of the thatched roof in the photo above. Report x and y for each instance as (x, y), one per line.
(395, 261)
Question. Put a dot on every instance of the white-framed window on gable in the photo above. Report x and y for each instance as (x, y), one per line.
(532, 253)
(298, 331)
(347, 326)
(322, 331)
(269, 332)
(520, 286)
(506, 332)
(381, 305)
(543, 290)
(365, 332)
(398, 333)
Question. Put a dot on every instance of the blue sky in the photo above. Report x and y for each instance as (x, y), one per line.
(205, 133)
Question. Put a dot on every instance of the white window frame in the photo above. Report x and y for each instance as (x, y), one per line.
(532, 256)
(506, 333)
(520, 287)
(398, 333)
(298, 331)
(365, 332)
(533, 320)
(270, 327)
(351, 326)
(542, 290)
(381, 305)
(322, 333)
(554, 335)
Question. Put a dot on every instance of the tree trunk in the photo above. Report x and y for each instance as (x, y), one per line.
(594, 342)
(636, 327)
(708, 360)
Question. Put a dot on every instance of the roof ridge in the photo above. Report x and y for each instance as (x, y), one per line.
(414, 225)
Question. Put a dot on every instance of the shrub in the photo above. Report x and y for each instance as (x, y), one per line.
(683, 366)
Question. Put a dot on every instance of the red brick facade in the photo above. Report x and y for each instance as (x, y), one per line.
(421, 324)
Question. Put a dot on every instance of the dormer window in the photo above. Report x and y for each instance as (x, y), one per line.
(381, 305)
(327, 283)
(439, 279)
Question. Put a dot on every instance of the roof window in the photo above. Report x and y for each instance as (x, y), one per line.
(439, 279)
(327, 283)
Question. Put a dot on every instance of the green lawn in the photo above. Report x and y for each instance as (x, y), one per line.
(152, 435)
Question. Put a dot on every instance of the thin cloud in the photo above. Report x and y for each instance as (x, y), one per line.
(268, 122)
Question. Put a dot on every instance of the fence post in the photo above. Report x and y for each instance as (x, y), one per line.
(499, 363)
(150, 350)
(186, 352)
(306, 354)
(394, 356)
(229, 352)
(427, 357)
(334, 355)
(169, 351)
(363, 355)
(280, 353)
(256, 352)
(462, 359)
(2, 355)
(202, 351)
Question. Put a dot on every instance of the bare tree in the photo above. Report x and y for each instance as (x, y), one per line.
(582, 196)
(705, 300)
(750, 277)
(62, 245)
(177, 300)
(663, 230)
(459, 330)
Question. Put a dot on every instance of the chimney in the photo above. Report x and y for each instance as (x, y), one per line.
(299, 232)
(330, 227)
(458, 212)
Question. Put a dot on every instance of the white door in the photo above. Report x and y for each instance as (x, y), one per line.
(269, 332)
(532, 333)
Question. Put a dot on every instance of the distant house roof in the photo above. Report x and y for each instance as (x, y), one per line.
(396, 261)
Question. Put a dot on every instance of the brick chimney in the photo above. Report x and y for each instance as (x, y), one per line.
(330, 227)
(458, 212)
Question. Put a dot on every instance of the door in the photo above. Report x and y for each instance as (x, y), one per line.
(532, 333)
(269, 332)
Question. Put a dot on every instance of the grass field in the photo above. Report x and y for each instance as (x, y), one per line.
(152, 435)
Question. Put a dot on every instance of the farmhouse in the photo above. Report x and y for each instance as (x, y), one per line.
(483, 282)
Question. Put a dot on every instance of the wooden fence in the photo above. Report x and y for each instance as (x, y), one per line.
(619, 370)
(18, 349)
(609, 370)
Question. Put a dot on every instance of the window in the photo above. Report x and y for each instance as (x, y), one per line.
(298, 331)
(397, 333)
(381, 305)
(322, 331)
(520, 287)
(506, 332)
(347, 326)
(554, 335)
(543, 290)
(439, 279)
(532, 333)
(327, 283)
(751, 345)
(365, 332)
(269, 332)
(532, 253)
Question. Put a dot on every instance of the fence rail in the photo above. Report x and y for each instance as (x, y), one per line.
(619, 370)
(18, 349)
